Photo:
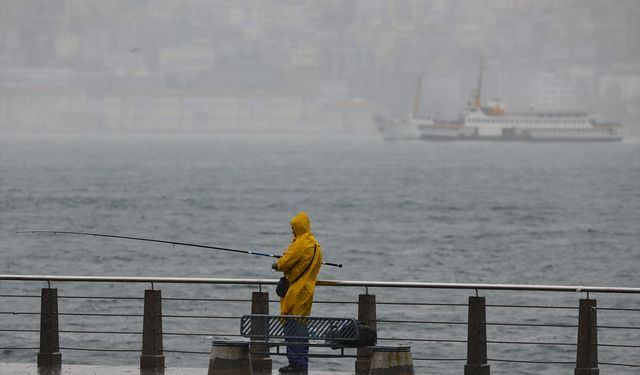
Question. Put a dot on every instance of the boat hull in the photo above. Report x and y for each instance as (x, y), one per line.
(467, 133)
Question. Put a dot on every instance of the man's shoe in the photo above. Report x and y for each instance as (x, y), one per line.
(293, 370)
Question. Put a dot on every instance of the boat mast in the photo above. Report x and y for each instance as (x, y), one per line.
(477, 102)
(416, 100)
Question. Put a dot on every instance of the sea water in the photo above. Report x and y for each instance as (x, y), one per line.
(565, 214)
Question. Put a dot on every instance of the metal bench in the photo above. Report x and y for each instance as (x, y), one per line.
(274, 331)
(277, 331)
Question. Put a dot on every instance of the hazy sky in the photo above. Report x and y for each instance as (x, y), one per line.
(322, 60)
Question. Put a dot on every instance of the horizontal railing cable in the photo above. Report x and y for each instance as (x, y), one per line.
(616, 309)
(185, 352)
(199, 316)
(18, 348)
(324, 302)
(100, 350)
(410, 339)
(124, 332)
(76, 331)
(535, 307)
(102, 297)
(531, 361)
(18, 313)
(421, 304)
(141, 298)
(18, 330)
(554, 325)
(618, 364)
(202, 334)
(421, 340)
(438, 359)
(206, 299)
(618, 327)
(531, 343)
(618, 345)
(419, 322)
(101, 332)
(120, 315)
(70, 314)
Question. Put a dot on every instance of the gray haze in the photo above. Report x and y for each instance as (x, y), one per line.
(284, 65)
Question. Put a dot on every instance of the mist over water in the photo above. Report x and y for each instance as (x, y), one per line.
(565, 214)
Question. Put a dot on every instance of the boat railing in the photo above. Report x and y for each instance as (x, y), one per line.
(451, 327)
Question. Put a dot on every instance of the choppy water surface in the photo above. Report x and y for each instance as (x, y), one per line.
(406, 211)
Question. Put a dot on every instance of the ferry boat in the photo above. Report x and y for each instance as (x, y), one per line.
(492, 123)
(483, 124)
(411, 127)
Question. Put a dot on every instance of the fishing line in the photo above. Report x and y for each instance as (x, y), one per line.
(174, 243)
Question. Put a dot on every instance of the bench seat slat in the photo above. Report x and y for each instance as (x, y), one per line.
(269, 327)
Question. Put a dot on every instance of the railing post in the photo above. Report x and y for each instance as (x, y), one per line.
(587, 356)
(152, 355)
(49, 355)
(477, 338)
(261, 363)
(367, 315)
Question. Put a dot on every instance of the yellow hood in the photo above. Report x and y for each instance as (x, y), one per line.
(300, 224)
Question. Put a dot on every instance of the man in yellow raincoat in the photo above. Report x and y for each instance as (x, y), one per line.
(301, 264)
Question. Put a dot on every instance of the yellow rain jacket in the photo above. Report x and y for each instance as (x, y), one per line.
(293, 262)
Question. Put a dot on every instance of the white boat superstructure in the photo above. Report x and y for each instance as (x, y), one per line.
(491, 122)
(402, 128)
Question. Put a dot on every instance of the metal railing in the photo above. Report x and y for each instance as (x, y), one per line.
(519, 329)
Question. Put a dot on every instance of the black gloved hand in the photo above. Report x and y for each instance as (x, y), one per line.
(274, 266)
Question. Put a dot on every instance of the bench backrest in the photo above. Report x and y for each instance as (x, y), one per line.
(267, 327)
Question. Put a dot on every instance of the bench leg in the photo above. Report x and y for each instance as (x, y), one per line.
(230, 358)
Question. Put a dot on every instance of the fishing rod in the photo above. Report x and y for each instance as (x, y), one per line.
(174, 243)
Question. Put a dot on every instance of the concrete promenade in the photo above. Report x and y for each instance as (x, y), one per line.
(31, 369)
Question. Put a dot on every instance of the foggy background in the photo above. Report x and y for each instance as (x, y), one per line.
(295, 66)
(543, 213)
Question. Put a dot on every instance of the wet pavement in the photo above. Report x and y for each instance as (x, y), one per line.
(32, 369)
